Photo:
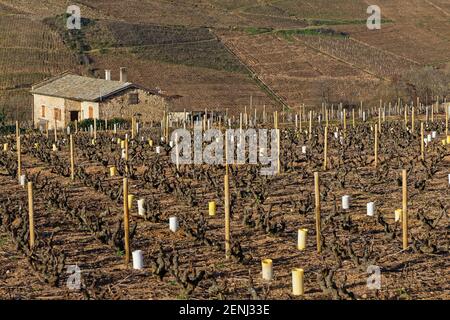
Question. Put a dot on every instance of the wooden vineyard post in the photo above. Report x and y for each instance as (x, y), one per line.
(245, 118)
(264, 116)
(310, 124)
(204, 121)
(227, 217)
(31, 213)
(279, 151)
(226, 152)
(376, 145)
(95, 129)
(17, 129)
(167, 127)
(360, 109)
(56, 134)
(405, 209)
(317, 211)
(275, 120)
(437, 104)
(133, 125)
(345, 123)
(432, 113)
(241, 121)
(19, 158)
(446, 121)
(126, 221)
(163, 125)
(406, 118)
(325, 148)
(275, 124)
(126, 155)
(353, 118)
(413, 119)
(72, 161)
(76, 126)
(379, 118)
(422, 142)
(177, 158)
(300, 120)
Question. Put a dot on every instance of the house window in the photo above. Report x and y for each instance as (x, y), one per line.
(43, 111)
(133, 98)
(57, 114)
(91, 112)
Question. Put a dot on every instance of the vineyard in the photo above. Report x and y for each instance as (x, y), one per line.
(30, 52)
(99, 195)
(203, 50)
(307, 73)
(371, 59)
(192, 83)
(353, 205)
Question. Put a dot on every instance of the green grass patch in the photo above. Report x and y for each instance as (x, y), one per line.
(255, 30)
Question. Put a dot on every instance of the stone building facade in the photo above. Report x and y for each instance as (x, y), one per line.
(67, 97)
(149, 106)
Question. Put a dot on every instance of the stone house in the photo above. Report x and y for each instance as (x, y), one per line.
(69, 97)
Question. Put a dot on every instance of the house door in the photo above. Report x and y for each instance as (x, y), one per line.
(74, 115)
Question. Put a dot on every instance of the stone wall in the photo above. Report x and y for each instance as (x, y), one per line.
(50, 103)
(72, 105)
(151, 107)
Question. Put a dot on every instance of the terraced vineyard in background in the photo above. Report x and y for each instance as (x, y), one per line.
(162, 38)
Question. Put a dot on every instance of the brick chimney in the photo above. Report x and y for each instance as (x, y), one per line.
(123, 74)
(108, 75)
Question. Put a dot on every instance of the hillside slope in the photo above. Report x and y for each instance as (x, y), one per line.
(218, 54)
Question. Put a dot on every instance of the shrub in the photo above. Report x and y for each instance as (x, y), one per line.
(85, 124)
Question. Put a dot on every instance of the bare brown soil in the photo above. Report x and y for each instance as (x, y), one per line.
(421, 272)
